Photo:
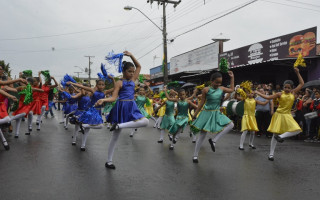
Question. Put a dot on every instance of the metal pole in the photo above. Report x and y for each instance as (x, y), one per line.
(89, 73)
(164, 33)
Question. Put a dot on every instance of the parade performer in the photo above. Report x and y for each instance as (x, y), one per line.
(249, 122)
(141, 101)
(125, 113)
(4, 117)
(36, 104)
(44, 96)
(211, 119)
(282, 124)
(168, 118)
(161, 111)
(70, 105)
(182, 118)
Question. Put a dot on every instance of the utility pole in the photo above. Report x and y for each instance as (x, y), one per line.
(89, 67)
(164, 34)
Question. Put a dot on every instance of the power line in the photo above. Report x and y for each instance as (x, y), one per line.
(232, 11)
(72, 33)
(291, 5)
(150, 51)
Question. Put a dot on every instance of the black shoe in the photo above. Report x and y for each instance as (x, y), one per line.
(135, 130)
(170, 137)
(252, 147)
(278, 138)
(193, 141)
(174, 140)
(82, 148)
(195, 160)
(37, 123)
(190, 134)
(7, 147)
(114, 127)
(270, 158)
(16, 136)
(30, 129)
(73, 143)
(171, 147)
(130, 135)
(27, 133)
(241, 148)
(212, 145)
(110, 166)
(81, 129)
(160, 141)
(38, 129)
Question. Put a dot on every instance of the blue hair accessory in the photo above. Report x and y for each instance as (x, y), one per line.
(66, 95)
(115, 59)
(104, 76)
(68, 78)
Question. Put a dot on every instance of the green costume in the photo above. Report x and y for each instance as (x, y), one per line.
(168, 118)
(182, 117)
(210, 118)
(141, 100)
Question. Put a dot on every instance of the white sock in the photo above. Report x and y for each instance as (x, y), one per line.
(199, 143)
(112, 145)
(243, 138)
(161, 134)
(194, 137)
(135, 124)
(5, 143)
(75, 133)
(251, 138)
(133, 131)
(289, 134)
(84, 137)
(273, 145)
(43, 109)
(5, 120)
(99, 126)
(225, 130)
(30, 117)
(18, 116)
(18, 123)
(158, 122)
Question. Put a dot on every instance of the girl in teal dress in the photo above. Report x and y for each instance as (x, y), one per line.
(182, 117)
(211, 119)
(141, 100)
(168, 118)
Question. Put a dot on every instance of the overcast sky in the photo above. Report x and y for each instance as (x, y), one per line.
(81, 27)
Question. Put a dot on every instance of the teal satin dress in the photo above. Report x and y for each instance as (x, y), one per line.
(182, 117)
(168, 118)
(211, 119)
(141, 100)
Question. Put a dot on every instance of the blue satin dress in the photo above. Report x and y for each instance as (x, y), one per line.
(125, 109)
(97, 95)
(92, 115)
(71, 105)
(84, 104)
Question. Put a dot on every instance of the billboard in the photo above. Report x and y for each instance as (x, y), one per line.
(286, 46)
(158, 72)
(202, 58)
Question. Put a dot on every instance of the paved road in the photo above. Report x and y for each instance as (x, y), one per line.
(45, 165)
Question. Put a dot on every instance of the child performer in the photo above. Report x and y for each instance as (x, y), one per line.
(4, 117)
(211, 119)
(125, 113)
(182, 118)
(282, 124)
(161, 112)
(249, 122)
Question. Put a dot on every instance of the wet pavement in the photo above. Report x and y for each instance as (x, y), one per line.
(45, 165)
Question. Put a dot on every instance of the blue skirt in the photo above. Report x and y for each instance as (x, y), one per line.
(91, 117)
(68, 108)
(124, 111)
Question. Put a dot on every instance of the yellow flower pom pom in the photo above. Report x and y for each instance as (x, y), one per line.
(300, 62)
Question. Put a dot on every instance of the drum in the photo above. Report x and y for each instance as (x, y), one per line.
(238, 108)
(229, 108)
(311, 115)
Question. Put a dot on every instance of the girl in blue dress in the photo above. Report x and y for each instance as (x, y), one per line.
(92, 117)
(125, 113)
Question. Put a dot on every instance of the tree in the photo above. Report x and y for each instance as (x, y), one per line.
(77, 79)
(6, 68)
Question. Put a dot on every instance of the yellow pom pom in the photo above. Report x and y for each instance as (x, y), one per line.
(242, 93)
(246, 85)
(200, 87)
(300, 62)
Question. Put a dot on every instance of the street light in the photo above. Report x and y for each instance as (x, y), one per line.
(221, 39)
(164, 35)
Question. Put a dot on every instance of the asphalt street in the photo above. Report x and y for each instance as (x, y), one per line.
(45, 165)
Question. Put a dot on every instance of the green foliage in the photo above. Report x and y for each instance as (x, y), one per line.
(6, 67)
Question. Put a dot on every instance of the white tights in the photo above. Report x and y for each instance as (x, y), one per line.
(284, 135)
(134, 124)
(243, 138)
(43, 109)
(4, 141)
(203, 134)
(112, 145)
(30, 117)
(87, 128)
(158, 122)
